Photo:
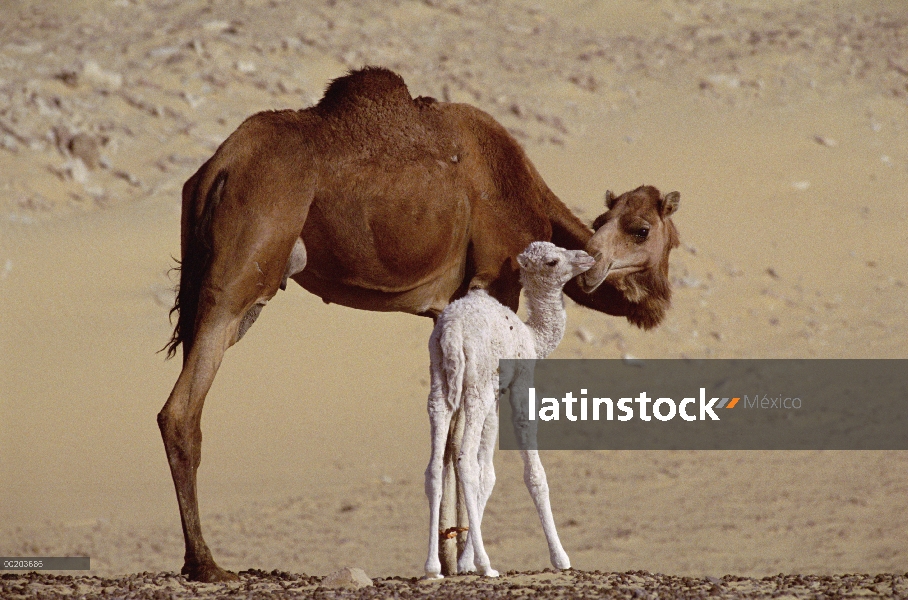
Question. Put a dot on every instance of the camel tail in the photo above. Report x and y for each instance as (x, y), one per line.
(454, 362)
(196, 249)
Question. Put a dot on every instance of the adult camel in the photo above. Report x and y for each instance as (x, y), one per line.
(375, 200)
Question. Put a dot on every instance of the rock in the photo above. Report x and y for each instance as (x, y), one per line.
(9, 143)
(216, 26)
(585, 336)
(723, 80)
(73, 169)
(825, 141)
(245, 66)
(85, 147)
(348, 577)
(93, 74)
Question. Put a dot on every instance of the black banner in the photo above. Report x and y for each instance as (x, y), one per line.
(752, 404)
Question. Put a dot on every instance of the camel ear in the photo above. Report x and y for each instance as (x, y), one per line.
(669, 203)
(610, 199)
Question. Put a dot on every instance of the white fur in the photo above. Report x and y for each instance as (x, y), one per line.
(469, 338)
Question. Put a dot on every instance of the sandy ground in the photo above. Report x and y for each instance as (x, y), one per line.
(784, 125)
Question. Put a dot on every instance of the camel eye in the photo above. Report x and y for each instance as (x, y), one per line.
(641, 234)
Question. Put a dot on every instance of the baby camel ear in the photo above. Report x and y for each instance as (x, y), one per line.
(522, 261)
(669, 203)
(610, 199)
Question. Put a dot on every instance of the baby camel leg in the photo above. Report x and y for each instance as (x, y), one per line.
(440, 420)
(476, 408)
(486, 480)
(534, 477)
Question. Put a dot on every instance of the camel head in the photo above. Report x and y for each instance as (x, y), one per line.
(544, 263)
(631, 245)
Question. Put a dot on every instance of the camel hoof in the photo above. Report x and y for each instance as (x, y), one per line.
(466, 568)
(561, 562)
(208, 573)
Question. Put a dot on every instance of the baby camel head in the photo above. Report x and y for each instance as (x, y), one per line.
(631, 245)
(545, 264)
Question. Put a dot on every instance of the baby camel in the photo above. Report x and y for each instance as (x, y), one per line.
(471, 334)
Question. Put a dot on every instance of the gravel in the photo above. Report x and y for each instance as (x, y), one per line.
(513, 584)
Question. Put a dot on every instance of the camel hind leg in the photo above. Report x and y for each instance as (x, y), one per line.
(486, 453)
(476, 406)
(248, 262)
(180, 424)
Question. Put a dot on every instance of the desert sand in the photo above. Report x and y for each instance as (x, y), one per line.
(784, 125)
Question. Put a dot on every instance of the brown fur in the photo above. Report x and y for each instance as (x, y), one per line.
(401, 205)
(647, 291)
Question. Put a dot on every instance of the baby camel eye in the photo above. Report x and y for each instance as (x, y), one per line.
(552, 262)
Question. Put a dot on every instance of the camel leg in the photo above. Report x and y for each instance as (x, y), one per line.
(440, 418)
(180, 424)
(534, 477)
(239, 282)
(468, 469)
(486, 456)
(486, 482)
(533, 472)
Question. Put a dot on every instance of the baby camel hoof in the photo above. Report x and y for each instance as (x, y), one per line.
(208, 573)
(561, 562)
(488, 572)
(430, 575)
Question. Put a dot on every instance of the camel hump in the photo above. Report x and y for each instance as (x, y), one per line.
(370, 85)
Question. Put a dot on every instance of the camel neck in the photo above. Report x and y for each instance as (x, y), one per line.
(568, 231)
(546, 318)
